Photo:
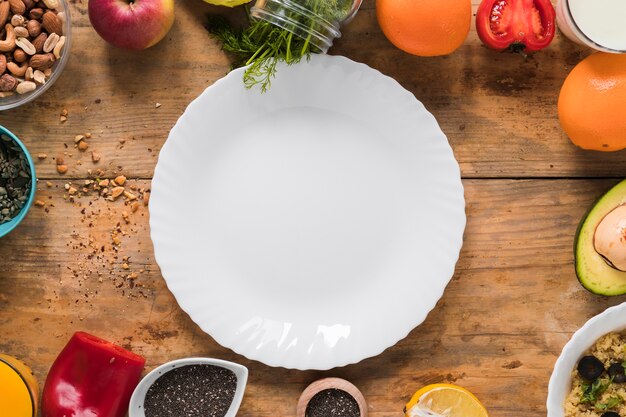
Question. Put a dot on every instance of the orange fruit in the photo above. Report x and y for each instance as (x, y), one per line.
(444, 400)
(425, 27)
(592, 103)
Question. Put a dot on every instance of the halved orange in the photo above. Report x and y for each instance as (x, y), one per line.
(444, 400)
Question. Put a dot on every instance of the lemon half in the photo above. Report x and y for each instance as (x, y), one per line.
(444, 400)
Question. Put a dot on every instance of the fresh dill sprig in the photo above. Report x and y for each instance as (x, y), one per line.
(261, 45)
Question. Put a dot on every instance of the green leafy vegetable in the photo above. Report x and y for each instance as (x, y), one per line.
(261, 45)
(591, 392)
(610, 404)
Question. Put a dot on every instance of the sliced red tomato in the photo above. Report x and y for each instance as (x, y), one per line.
(519, 25)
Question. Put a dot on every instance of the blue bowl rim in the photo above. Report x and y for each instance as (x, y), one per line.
(6, 228)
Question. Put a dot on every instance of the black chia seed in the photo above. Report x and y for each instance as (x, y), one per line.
(15, 179)
(332, 403)
(191, 391)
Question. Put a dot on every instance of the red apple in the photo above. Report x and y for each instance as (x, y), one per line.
(131, 24)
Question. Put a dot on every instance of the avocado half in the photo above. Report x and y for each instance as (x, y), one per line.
(593, 271)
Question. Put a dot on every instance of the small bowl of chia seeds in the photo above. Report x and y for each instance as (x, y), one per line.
(191, 387)
(331, 397)
(17, 181)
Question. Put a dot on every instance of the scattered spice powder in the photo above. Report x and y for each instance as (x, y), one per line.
(332, 403)
(191, 391)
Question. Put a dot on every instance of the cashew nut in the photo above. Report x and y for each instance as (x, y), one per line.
(8, 44)
(17, 70)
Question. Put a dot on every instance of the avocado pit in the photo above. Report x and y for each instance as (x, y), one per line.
(610, 238)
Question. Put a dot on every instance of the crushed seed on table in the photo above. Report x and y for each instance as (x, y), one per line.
(332, 403)
(15, 179)
(191, 391)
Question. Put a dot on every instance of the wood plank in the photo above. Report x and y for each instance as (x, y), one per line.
(511, 306)
(498, 110)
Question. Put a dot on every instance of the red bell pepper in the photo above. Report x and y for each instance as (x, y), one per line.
(518, 25)
(91, 378)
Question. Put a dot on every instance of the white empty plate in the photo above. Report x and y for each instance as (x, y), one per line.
(311, 226)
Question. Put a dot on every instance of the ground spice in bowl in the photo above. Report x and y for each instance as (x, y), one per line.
(191, 391)
(332, 403)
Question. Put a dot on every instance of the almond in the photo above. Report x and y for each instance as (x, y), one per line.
(17, 6)
(34, 28)
(3, 63)
(4, 12)
(42, 61)
(51, 23)
(39, 42)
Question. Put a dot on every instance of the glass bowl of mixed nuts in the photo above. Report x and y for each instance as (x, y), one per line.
(34, 45)
(17, 181)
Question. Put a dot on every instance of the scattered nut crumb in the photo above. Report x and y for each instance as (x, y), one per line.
(95, 156)
(42, 156)
(61, 169)
(39, 203)
(78, 138)
(157, 105)
(82, 146)
(116, 192)
(120, 180)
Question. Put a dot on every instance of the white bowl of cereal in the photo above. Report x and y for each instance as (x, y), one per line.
(589, 377)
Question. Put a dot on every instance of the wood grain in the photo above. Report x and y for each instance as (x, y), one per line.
(511, 306)
(498, 110)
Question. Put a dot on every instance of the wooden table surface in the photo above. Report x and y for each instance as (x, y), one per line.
(505, 316)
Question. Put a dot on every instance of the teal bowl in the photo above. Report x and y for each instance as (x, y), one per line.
(7, 227)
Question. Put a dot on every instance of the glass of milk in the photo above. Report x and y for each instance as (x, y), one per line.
(599, 24)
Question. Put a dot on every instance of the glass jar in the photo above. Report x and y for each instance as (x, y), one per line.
(317, 21)
(598, 24)
(18, 389)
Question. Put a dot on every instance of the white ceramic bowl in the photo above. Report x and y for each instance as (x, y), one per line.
(135, 408)
(611, 320)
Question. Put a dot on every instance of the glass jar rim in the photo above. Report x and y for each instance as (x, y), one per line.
(587, 39)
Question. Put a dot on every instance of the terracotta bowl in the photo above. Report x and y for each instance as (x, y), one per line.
(330, 383)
